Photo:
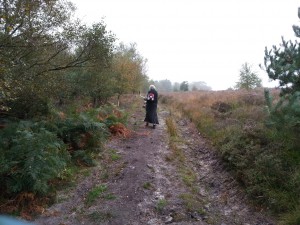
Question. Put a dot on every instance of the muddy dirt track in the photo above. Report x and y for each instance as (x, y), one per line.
(147, 180)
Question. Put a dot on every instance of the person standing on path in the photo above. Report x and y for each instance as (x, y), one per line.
(151, 106)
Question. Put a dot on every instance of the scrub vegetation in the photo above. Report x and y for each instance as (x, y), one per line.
(256, 134)
(60, 82)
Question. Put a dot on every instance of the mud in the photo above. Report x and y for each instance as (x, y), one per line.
(151, 183)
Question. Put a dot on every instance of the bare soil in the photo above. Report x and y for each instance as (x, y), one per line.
(149, 181)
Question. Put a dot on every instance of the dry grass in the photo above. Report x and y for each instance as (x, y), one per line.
(200, 107)
(172, 130)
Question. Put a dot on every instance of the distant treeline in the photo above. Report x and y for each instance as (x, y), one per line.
(167, 86)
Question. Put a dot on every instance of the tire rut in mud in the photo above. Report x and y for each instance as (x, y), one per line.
(149, 184)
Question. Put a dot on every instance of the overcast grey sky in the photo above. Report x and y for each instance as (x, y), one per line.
(196, 40)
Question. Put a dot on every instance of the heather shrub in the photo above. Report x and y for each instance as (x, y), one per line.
(251, 98)
(257, 137)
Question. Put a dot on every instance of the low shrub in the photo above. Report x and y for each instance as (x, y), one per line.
(291, 218)
(40, 148)
(29, 158)
(34, 152)
(81, 132)
(28, 106)
(257, 138)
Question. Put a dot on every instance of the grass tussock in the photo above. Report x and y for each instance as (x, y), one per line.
(193, 204)
(171, 127)
(161, 204)
(265, 160)
(100, 191)
(95, 193)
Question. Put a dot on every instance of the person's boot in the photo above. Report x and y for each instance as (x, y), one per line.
(147, 124)
(153, 126)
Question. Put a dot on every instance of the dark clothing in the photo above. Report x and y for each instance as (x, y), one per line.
(151, 107)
